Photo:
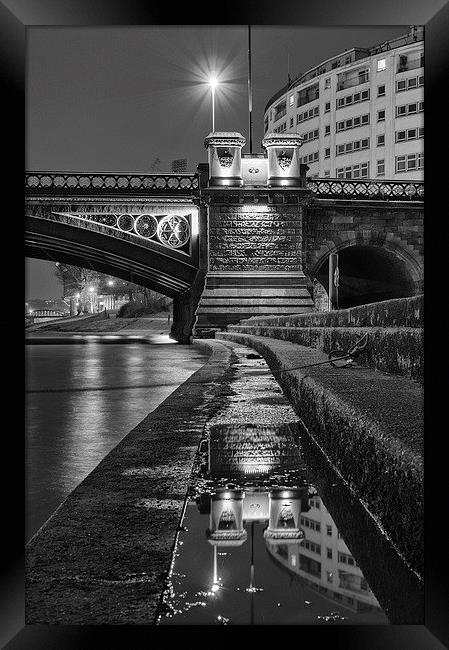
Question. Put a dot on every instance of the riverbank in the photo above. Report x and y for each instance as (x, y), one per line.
(105, 555)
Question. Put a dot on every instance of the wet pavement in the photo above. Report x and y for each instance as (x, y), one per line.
(258, 542)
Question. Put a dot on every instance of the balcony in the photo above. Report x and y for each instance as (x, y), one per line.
(404, 65)
(351, 79)
(280, 113)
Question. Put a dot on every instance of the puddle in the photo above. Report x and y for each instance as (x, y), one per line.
(257, 542)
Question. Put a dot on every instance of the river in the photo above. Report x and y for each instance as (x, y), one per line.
(81, 400)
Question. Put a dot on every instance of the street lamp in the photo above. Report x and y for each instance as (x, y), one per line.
(213, 83)
(111, 283)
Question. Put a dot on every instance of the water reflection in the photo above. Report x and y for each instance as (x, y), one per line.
(277, 556)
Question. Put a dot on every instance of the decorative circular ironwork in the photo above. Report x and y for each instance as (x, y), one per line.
(173, 231)
(160, 182)
(72, 181)
(148, 182)
(45, 181)
(84, 181)
(173, 183)
(58, 181)
(97, 181)
(125, 222)
(136, 182)
(32, 181)
(146, 225)
(110, 181)
(123, 182)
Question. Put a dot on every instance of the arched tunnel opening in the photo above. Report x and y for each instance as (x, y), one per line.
(367, 274)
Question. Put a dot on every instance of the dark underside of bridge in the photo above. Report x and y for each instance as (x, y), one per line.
(148, 266)
(368, 274)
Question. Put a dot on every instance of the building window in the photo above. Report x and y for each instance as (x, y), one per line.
(292, 100)
(327, 83)
(330, 576)
(327, 153)
(381, 140)
(381, 65)
(291, 122)
(307, 115)
(409, 109)
(329, 553)
(352, 123)
(381, 167)
(381, 116)
(381, 91)
(410, 162)
(327, 129)
(328, 529)
(362, 96)
(355, 171)
(327, 107)
(327, 173)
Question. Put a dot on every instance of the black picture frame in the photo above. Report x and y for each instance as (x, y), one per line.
(16, 17)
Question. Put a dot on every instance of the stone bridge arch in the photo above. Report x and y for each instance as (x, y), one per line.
(387, 265)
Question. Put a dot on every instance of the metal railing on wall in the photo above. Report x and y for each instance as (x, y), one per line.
(366, 189)
(90, 183)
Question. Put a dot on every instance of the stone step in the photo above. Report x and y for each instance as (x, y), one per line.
(265, 302)
(398, 312)
(396, 350)
(254, 309)
(252, 292)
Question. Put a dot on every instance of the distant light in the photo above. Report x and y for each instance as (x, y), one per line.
(110, 282)
(77, 295)
(91, 288)
(215, 588)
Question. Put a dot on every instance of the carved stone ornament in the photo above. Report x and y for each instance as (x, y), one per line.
(225, 156)
(285, 159)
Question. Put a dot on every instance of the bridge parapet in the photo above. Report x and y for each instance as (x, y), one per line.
(366, 190)
(94, 184)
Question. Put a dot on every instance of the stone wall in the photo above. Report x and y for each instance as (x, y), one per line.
(331, 226)
(255, 238)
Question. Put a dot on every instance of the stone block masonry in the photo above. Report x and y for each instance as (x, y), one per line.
(255, 238)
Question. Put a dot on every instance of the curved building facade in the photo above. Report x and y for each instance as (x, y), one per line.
(360, 113)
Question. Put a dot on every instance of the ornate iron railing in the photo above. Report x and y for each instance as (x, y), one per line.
(91, 183)
(366, 190)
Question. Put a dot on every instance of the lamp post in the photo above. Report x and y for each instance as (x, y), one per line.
(213, 83)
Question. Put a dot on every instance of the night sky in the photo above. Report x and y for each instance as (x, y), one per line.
(115, 99)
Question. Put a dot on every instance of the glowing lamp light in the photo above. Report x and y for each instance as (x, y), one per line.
(91, 289)
(110, 283)
(215, 588)
(213, 81)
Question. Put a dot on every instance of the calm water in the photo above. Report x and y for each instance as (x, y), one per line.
(81, 401)
(259, 546)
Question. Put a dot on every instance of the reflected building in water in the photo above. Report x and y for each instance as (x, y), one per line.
(300, 535)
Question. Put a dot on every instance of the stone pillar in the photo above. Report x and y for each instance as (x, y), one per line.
(284, 515)
(224, 156)
(226, 517)
(284, 168)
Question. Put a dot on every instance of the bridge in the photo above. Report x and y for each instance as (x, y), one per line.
(244, 235)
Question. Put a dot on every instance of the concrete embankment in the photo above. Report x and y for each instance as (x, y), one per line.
(103, 557)
(369, 424)
(395, 333)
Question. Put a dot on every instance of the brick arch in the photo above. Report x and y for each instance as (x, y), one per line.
(399, 247)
